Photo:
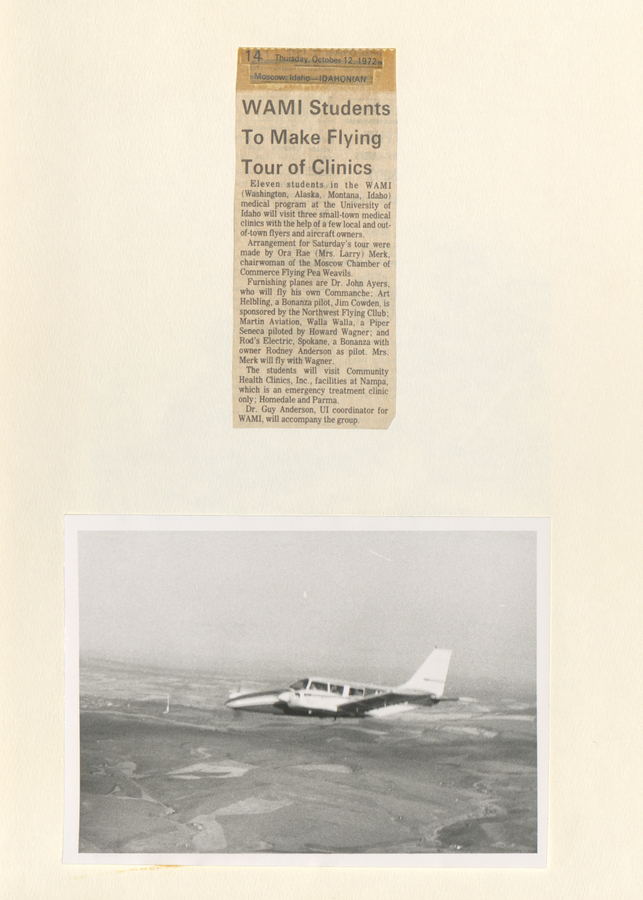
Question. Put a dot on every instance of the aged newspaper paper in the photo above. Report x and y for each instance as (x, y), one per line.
(314, 237)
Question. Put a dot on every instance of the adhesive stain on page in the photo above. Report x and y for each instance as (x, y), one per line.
(314, 257)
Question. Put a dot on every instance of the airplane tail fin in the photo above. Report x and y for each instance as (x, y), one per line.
(431, 675)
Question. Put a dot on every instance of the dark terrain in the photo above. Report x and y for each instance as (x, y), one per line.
(460, 778)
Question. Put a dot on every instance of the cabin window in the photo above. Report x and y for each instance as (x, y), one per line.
(337, 688)
(356, 692)
(318, 686)
(299, 685)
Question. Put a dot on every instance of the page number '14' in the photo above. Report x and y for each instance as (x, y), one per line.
(256, 55)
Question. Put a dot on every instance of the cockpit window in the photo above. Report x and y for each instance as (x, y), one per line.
(299, 685)
(318, 686)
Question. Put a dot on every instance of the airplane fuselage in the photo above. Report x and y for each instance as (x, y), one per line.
(329, 697)
(322, 698)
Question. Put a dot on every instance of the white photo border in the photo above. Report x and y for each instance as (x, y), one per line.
(75, 524)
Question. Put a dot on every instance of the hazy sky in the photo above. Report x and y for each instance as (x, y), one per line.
(367, 605)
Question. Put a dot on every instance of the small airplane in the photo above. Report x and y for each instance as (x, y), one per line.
(330, 697)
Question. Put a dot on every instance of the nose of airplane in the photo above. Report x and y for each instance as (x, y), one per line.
(285, 697)
(260, 701)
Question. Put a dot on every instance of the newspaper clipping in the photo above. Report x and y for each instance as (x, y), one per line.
(314, 266)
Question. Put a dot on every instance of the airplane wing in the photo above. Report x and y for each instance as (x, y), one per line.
(425, 688)
(390, 698)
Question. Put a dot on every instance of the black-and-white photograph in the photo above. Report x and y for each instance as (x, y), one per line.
(244, 690)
